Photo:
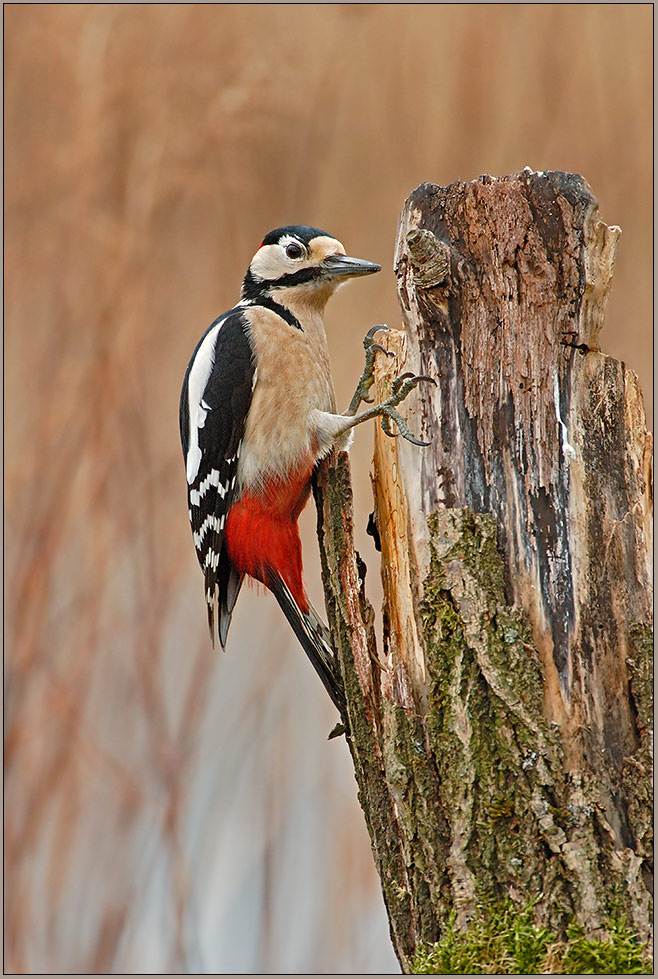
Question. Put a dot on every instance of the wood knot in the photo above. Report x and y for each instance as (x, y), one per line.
(429, 257)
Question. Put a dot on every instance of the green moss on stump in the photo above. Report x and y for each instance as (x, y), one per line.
(502, 940)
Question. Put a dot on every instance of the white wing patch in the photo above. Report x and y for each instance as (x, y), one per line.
(197, 407)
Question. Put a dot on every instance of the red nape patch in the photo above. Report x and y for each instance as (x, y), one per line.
(262, 536)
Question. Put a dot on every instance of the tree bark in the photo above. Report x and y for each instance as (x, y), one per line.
(502, 745)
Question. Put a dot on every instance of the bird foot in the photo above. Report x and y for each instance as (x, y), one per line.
(368, 374)
(402, 386)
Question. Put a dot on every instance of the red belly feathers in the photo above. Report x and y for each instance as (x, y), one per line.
(261, 532)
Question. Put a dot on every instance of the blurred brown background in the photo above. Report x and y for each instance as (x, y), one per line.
(168, 808)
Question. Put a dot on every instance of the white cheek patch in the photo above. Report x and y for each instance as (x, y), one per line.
(270, 263)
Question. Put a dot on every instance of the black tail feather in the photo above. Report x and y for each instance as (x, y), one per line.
(228, 596)
(314, 638)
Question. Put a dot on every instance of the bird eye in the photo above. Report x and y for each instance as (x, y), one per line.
(293, 250)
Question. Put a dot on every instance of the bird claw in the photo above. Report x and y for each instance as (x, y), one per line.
(392, 414)
(386, 423)
(371, 346)
(402, 386)
(400, 379)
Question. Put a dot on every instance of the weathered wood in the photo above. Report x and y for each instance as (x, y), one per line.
(503, 750)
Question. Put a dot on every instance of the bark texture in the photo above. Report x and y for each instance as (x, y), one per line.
(502, 745)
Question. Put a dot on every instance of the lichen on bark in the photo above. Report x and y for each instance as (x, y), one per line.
(497, 759)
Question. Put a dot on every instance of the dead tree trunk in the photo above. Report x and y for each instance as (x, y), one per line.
(502, 745)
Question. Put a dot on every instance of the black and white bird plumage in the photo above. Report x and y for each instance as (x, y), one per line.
(214, 405)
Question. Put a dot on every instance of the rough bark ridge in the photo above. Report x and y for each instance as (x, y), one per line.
(502, 749)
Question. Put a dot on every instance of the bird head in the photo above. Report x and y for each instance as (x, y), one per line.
(298, 264)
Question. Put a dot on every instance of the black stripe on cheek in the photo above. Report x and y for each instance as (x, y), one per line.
(296, 278)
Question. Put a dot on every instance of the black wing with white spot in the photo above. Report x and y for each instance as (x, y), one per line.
(214, 404)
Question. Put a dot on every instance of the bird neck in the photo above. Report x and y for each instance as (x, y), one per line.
(305, 302)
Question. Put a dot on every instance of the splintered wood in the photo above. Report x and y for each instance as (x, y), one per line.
(403, 647)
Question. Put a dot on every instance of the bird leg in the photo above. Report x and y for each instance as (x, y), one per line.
(402, 386)
(367, 378)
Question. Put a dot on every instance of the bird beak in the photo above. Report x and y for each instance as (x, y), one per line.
(344, 266)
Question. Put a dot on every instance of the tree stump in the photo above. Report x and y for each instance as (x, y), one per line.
(502, 744)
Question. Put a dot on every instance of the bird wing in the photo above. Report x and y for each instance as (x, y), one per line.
(214, 405)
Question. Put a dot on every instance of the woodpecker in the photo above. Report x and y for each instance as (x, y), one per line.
(257, 413)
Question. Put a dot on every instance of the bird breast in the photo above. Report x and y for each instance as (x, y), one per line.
(293, 380)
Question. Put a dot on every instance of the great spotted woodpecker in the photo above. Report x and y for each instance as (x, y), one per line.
(257, 412)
